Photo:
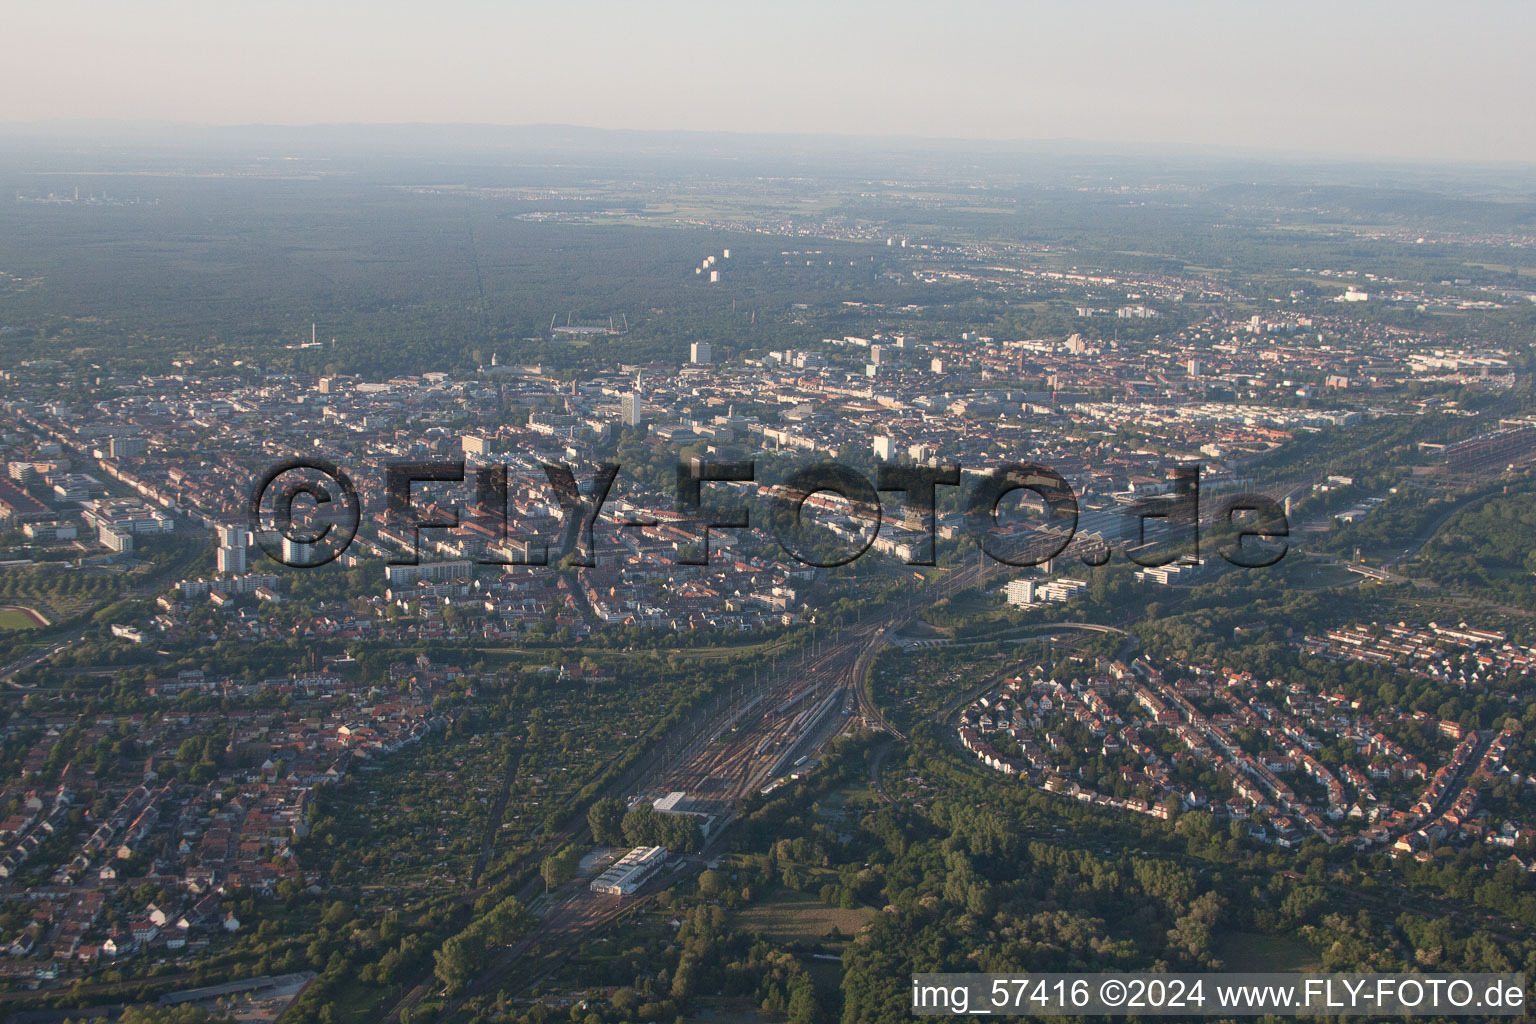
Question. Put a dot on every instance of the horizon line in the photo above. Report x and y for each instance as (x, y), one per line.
(1102, 147)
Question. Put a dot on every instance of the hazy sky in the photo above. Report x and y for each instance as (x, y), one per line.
(1450, 80)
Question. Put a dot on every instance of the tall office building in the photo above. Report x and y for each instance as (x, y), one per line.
(1020, 592)
(630, 410)
(699, 352)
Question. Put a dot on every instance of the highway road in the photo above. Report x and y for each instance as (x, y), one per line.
(8, 673)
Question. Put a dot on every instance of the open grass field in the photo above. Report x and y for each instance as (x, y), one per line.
(1251, 951)
(12, 618)
(788, 916)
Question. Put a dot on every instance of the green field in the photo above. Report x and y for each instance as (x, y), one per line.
(1251, 951)
(788, 916)
(15, 619)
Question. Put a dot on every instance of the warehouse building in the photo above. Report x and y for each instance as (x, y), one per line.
(627, 874)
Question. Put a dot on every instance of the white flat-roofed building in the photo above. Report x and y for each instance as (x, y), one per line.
(50, 532)
(478, 444)
(230, 585)
(127, 515)
(230, 560)
(1063, 589)
(115, 540)
(74, 486)
(679, 802)
(127, 447)
(297, 552)
(437, 572)
(627, 874)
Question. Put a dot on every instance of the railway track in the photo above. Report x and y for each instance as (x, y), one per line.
(735, 754)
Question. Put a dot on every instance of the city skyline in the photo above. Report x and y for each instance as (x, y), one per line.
(609, 514)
